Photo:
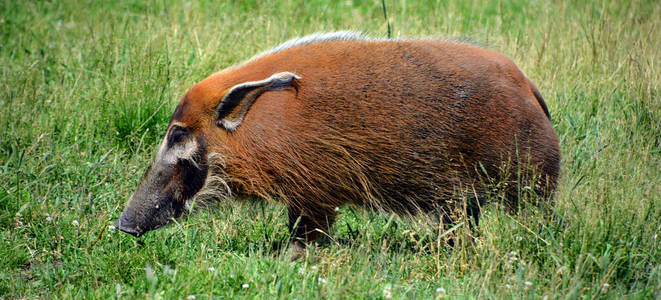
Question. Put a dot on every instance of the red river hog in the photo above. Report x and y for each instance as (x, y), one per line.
(407, 126)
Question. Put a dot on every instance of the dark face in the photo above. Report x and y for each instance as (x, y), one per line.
(176, 175)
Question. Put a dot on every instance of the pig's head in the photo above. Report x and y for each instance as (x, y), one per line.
(189, 153)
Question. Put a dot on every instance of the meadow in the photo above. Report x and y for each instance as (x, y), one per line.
(87, 89)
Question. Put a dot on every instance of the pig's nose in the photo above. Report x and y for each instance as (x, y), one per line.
(127, 226)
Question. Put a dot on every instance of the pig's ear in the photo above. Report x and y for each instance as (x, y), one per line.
(234, 106)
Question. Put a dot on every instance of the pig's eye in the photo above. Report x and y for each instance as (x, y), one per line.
(177, 134)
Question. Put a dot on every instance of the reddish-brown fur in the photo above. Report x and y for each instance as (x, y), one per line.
(398, 126)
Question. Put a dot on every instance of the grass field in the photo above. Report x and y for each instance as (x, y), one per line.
(87, 89)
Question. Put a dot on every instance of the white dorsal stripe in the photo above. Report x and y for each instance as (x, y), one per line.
(320, 37)
(346, 35)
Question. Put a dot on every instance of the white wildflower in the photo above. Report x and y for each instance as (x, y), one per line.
(527, 285)
(321, 280)
(245, 286)
(75, 223)
(337, 209)
(386, 292)
(211, 269)
(190, 297)
(149, 273)
(605, 287)
(169, 271)
(314, 268)
(441, 292)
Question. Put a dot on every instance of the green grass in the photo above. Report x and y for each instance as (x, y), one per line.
(87, 88)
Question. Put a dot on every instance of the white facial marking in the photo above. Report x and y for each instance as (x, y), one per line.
(162, 148)
(176, 152)
(180, 151)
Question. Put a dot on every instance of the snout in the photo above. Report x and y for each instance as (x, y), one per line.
(127, 226)
(162, 192)
(142, 215)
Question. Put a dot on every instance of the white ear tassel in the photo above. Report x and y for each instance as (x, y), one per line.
(287, 76)
(231, 125)
(274, 82)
